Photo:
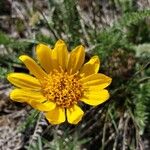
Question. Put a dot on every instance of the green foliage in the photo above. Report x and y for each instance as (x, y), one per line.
(118, 36)
(68, 142)
(141, 111)
(37, 145)
(126, 5)
(30, 121)
(16, 45)
(4, 39)
(142, 92)
(129, 19)
(124, 51)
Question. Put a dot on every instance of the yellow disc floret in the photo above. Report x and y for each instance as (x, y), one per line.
(63, 89)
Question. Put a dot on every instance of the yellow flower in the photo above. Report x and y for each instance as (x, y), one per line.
(62, 81)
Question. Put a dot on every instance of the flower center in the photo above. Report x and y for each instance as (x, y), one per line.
(64, 89)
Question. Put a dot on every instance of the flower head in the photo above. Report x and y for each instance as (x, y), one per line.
(60, 82)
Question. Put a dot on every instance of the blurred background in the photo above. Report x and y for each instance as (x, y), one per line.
(118, 31)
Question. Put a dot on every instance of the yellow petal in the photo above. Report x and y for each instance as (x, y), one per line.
(43, 106)
(60, 55)
(91, 67)
(74, 114)
(56, 116)
(76, 59)
(99, 80)
(95, 98)
(25, 81)
(44, 56)
(20, 95)
(33, 67)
